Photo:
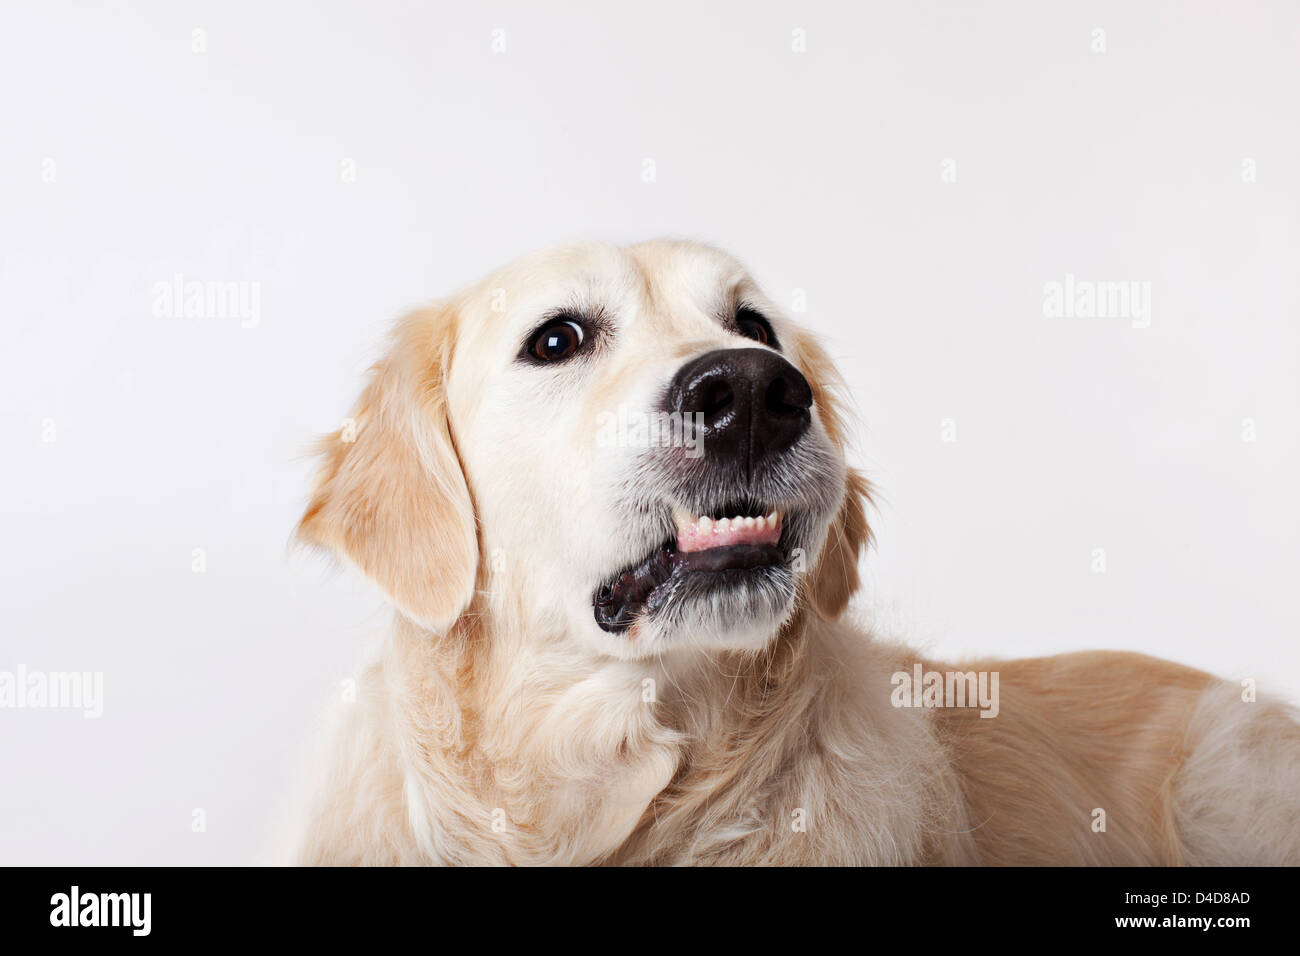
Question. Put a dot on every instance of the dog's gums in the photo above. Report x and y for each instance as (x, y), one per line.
(704, 534)
(738, 544)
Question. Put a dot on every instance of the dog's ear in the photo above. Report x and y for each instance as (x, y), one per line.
(391, 496)
(835, 578)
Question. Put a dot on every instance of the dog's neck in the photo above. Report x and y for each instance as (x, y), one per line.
(519, 749)
(565, 757)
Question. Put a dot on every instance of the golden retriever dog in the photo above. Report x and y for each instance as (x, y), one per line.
(606, 491)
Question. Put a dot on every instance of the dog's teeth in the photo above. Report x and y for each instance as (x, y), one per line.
(705, 524)
(682, 519)
(723, 525)
(749, 523)
(774, 517)
(761, 523)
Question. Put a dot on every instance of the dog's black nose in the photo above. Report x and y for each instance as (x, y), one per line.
(752, 403)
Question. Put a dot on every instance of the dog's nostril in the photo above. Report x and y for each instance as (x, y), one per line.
(716, 398)
(777, 394)
(785, 397)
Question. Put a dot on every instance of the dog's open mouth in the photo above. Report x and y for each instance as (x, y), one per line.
(726, 547)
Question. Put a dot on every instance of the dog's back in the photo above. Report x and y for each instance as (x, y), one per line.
(1123, 759)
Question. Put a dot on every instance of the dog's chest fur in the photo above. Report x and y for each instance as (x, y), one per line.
(795, 757)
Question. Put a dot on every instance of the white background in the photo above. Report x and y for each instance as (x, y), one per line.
(821, 169)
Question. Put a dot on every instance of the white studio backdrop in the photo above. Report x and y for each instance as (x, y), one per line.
(912, 179)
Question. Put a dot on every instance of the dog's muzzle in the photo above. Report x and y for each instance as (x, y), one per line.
(747, 409)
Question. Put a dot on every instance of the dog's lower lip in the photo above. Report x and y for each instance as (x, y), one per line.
(734, 558)
(618, 601)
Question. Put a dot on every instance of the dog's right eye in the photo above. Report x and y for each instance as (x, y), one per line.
(556, 341)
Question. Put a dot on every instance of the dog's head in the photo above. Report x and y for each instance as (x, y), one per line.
(631, 447)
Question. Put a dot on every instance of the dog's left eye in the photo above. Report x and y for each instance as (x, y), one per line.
(754, 326)
(556, 341)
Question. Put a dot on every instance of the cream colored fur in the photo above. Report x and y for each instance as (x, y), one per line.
(498, 725)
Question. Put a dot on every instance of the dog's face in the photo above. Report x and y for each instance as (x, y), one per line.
(630, 446)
